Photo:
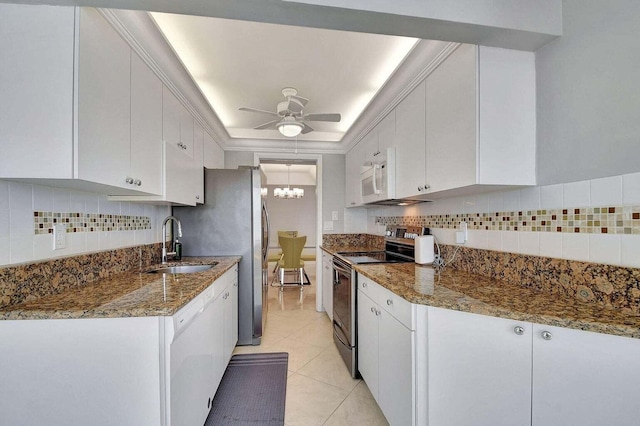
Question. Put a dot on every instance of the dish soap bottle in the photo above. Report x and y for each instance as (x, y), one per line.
(178, 249)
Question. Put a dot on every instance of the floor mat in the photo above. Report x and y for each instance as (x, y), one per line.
(252, 391)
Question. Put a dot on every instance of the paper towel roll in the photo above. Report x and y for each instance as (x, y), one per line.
(424, 249)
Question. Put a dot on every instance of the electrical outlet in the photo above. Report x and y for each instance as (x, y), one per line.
(328, 225)
(334, 215)
(59, 236)
(461, 235)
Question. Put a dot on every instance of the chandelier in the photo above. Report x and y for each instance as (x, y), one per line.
(288, 192)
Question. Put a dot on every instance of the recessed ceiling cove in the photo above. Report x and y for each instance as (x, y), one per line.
(248, 64)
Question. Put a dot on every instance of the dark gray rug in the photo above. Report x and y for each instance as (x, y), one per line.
(252, 391)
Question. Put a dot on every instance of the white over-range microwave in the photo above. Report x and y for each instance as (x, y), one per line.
(377, 179)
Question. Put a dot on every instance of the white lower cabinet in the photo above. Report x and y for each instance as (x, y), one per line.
(584, 378)
(484, 370)
(479, 370)
(143, 371)
(327, 284)
(386, 351)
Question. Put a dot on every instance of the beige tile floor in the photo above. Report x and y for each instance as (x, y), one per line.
(320, 390)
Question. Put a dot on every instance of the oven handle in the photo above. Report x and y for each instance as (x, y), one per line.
(337, 335)
(341, 269)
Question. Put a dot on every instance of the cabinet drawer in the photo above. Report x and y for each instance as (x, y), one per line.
(399, 308)
(368, 287)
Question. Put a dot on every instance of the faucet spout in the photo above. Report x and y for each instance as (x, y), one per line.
(164, 237)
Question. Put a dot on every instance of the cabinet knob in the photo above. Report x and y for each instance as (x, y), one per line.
(373, 309)
(419, 189)
(426, 187)
(518, 330)
(377, 312)
(364, 285)
(137, 182)
(546, 335)
(389, 302)
(129, 180)
(197, 197)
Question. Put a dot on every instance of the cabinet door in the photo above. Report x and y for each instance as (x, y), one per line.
(387, 131)
(368, 341)
(36, 88)
(146, 127)
(327, 284)
(479, 370)
(584, 378)
(178, 163)
(396, 370)
(410, 144)
(451, 121)
(353, 164)
(198, 160)
(213, 154)
(219, 360)
(230, 298)
(104, 102)
(369, 145)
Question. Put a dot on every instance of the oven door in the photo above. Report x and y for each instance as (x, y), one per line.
(344, 327)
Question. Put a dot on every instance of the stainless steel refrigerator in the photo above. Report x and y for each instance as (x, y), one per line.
(234, 221)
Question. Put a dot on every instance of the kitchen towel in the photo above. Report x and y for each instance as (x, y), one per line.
(424, 249)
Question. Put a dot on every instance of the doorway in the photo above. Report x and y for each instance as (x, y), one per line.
(314, 227)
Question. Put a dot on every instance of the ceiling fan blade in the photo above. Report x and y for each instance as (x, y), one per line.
(306, 129)
(258, 110)
(335, 118)
(301, 100)
(268, 125)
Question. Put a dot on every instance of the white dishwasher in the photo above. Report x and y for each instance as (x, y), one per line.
(191, 351)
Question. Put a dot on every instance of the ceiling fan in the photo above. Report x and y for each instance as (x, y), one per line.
(291, 119)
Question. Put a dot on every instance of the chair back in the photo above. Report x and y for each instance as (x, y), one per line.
(287, 233)
(291, 250)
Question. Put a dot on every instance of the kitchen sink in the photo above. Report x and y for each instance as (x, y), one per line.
(181, 269)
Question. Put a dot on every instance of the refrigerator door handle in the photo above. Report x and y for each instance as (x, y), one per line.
(265, 242)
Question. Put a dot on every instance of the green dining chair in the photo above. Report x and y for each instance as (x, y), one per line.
(291, 261)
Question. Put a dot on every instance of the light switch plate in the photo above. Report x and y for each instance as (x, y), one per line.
(59, 236)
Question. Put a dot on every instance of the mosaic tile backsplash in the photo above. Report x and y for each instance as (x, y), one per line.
(89, 222)
(588, 220)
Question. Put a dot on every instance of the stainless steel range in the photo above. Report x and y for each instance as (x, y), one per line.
(399, 247)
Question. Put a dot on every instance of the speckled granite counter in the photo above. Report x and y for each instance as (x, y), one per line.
(129, 294)
(468, 292)
(463, 291)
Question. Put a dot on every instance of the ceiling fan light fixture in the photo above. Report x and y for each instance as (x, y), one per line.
(289, 128)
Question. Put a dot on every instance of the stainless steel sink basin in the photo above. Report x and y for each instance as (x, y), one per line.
(181, 269)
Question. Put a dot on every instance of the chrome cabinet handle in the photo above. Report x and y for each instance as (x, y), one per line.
(377, 312)
(137, 182)
(546, 335)
(426, 187)
(373, 309)
(419, 189)
(364, 285)
(389, 302)
(518, 330)
(197, 197)
(129, 180)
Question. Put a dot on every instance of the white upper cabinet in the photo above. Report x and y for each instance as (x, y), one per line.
(76, 79)
(387, 131)
(37, 91)
(410, 143)
(213, 154)
(198, 159)
(146, 127)
(104, 102)
(469, 127)
(353, 164)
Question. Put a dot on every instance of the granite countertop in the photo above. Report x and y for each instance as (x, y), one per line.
(333, 249)
(131, 294)
(467, 292)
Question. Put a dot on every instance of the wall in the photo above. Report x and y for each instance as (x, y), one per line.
(122, 224)
(605, 229)
(587, 94)
(293, 215)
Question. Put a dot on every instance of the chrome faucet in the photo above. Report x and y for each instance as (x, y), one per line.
(164, 237)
